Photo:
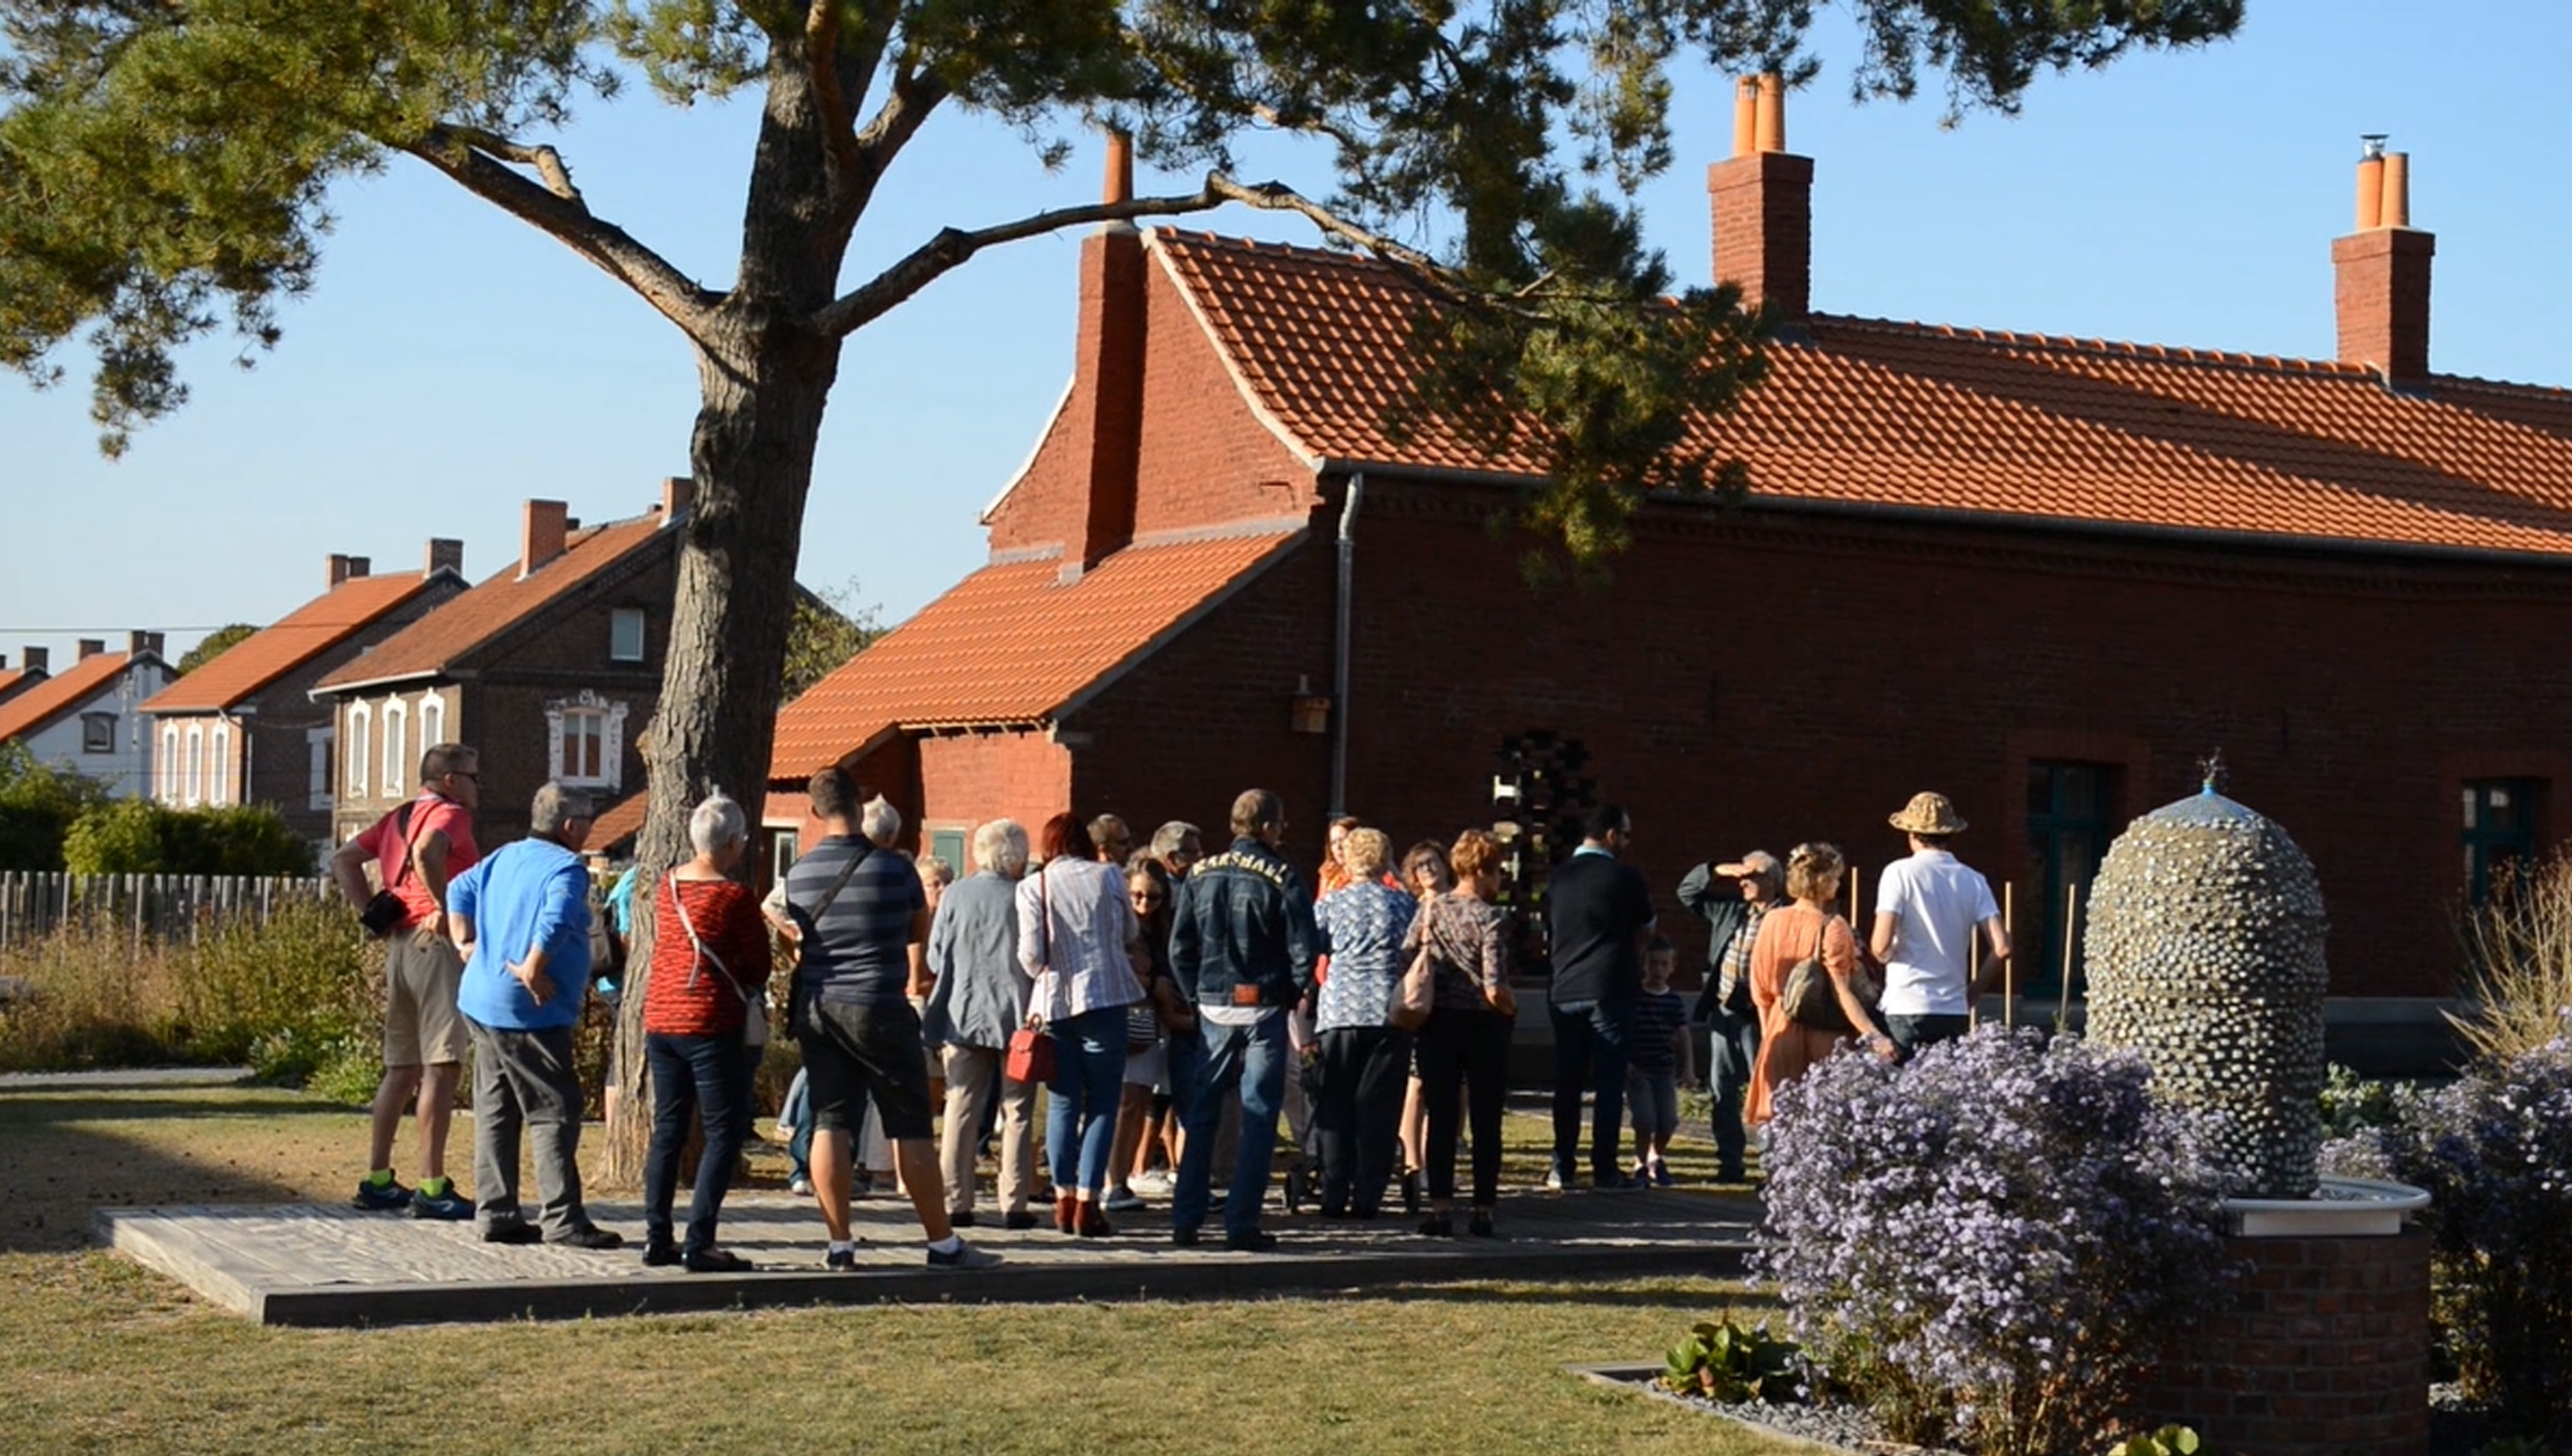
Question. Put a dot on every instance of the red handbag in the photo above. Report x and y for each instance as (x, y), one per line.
(1030, 1057)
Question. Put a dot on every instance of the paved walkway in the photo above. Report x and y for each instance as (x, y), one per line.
(123, 1079)
(305, 1265)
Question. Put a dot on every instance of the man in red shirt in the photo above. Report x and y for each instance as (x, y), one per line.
(415, 850)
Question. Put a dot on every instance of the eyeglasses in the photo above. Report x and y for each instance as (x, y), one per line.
(473, 774)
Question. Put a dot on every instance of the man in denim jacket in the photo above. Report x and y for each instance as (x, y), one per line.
(1244, 941)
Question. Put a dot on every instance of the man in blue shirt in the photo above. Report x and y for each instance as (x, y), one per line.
(522, 920)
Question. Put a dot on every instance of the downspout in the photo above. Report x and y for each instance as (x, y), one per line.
(1340, 646)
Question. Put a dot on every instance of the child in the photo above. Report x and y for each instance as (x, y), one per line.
(1662, 1058)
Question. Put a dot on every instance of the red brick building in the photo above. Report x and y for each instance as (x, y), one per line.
(2045, 576)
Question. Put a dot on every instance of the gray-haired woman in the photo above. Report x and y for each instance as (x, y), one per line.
(710, 963)
(977, 997)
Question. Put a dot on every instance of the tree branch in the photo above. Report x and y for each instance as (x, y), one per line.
(952, 247)
(822, 58)
(472, 159)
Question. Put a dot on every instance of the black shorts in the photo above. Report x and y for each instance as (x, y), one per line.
(855, 1050)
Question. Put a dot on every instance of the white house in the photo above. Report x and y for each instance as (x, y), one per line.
(86, 718)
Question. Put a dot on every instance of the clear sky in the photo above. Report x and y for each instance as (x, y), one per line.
(451, 363)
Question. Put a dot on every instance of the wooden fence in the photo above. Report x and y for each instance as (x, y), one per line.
(162, 907)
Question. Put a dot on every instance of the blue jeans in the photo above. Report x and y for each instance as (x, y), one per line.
(1253, 1059)
(1591, 1048)
(712, 1073)
(1734, 1056)
(1088, 1077)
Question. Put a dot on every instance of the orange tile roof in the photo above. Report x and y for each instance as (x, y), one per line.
(622, 820)
(296, 639)
(457, 628)
(9, 679)
(65, 690)
(1941, 419)
(1013, 645)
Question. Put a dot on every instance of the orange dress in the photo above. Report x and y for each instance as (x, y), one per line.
(1786, 1048)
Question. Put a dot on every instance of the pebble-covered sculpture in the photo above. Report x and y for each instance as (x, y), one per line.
(2205, 954)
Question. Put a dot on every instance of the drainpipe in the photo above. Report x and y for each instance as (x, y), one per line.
(1340, 646)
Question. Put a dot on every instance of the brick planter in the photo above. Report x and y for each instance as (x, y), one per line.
(2323, 1350)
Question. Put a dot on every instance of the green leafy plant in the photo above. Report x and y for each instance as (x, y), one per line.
(2167, 1441)
(1722, 1361)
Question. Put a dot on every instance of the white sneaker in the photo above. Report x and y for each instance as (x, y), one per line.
(1153, 1185)
(800, 1186)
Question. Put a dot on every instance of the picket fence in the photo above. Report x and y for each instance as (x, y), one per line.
(146, 907)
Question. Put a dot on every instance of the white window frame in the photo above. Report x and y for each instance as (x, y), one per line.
(611, 740)
(168, 769)
(317, 743)
(195, 767)
(432, 721)
(397, 717)
(219, 764)
(360, 745)
(618, 619)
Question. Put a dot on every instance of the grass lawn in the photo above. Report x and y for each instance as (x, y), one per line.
(100, 1356)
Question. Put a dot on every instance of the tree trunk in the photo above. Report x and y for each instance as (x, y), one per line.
(766, 377)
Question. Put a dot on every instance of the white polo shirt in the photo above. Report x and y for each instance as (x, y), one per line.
(1936, 903)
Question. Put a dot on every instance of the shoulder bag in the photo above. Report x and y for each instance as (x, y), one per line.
(754, 1014)
(1030, 1057)
(1812, 1001)
(385, 910)
(1416, 995)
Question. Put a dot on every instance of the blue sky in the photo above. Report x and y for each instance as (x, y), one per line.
(452, 362)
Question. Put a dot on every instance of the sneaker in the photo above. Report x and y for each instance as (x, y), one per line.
(1553, 1180)
(386, 1198)
(588, 1236)
(800, 1186)
(965, 1256)
(1256, 1241)
(1619, 1182)
(511, 1230)
(961, 1219)
(449, 1205)
(1122, 1201)
(1153, 1185)
(1660, 1174)
(1019, 1220)
(841, 1261)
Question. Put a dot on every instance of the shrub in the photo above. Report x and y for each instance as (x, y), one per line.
(1988, 1245)
(137, 836)
(38, 804)
(2518, 962)
(2494, 1150)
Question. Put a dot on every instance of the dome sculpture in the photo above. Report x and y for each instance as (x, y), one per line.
(2204, 952)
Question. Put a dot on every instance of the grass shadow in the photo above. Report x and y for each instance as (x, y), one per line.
(65, 1154)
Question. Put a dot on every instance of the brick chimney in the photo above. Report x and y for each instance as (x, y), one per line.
(91, 646)
(2382, 273)
(444, 555)
(344, 568)
(138, 643)
(1762, 198)
(1108, 401)
(677, 492)
(549, 526)
(37, 659)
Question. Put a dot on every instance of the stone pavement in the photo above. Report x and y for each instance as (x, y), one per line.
(305, 1265)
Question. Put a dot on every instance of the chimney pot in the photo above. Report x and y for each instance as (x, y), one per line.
(444, 554)
(547, 525)
(91, 646)
(1773, 113)
(678, 492)
(2396, 208)
(37, 659)
(1119, 185)
(2370, 190)
(2380, 282)
(1745, 116)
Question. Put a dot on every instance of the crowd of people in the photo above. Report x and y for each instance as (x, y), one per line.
(1172, 1005)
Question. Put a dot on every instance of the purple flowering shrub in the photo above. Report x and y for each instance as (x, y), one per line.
(1989, 1244)
(2494, 1150)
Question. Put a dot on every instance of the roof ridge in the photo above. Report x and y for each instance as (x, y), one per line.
(2158, 353)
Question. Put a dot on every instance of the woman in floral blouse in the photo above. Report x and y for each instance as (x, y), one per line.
(1465, 1048)
(1364, 1063)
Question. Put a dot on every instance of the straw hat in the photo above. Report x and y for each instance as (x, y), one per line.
(1928, 814)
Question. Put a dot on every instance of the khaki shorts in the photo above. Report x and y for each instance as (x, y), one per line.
(422, 1028)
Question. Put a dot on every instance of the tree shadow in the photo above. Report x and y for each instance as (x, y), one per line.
(66, 1153)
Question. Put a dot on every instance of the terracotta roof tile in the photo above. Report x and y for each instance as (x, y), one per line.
(296, 639)
(622, 820)
(9, 677)
(1940, 419)
(459, 627)
(65, 690)
(1010, 643)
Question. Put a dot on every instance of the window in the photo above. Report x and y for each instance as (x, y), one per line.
(2068, 828)
(360, 720)
(2501, 818)
(318, 743)
(169, 768)
(585, 741)
(396, 718)
(196, 792)
(948, 845)
(218, 772)
(432, 721)
(788, 848)
(97, 733)
(625, 635)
